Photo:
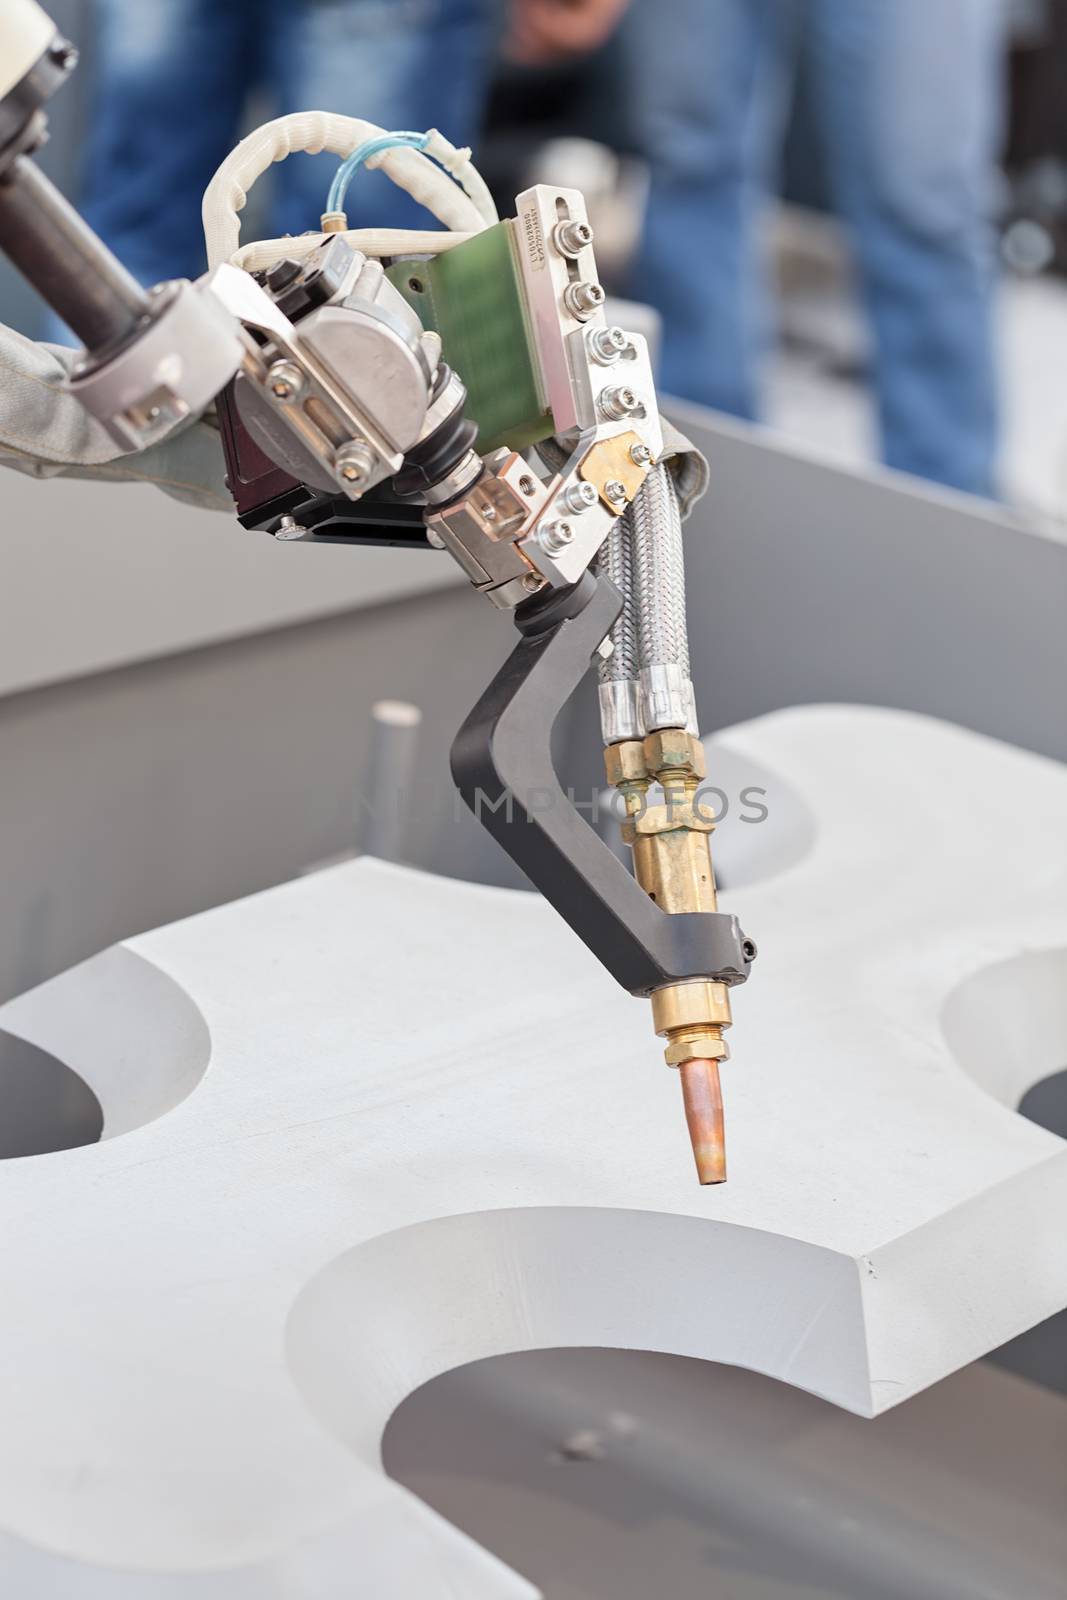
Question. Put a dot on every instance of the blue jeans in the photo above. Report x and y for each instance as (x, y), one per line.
(172, 79)
(908, 97)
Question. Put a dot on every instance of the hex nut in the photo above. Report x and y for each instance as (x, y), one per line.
(625, 763)
(700, 1047)
(675, 750)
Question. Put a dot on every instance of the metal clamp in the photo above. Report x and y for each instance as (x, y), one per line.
(502, 765)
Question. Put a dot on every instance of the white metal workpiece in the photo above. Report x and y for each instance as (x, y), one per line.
(421, 1126)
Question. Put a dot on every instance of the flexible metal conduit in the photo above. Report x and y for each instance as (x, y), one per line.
(645, 683)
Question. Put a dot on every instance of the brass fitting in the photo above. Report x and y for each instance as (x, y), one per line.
(690, 1005)
(672, 863)
(693, 1044)
(625, 766)
(671, 750)
(692, 1017)
(625, 763)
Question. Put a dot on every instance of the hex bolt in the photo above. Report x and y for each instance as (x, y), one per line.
(615, 491)
(583, 299)
(640, 455)
(285, 380)
(571, 237)
(579, 497)
(555, 537)
(617, 403)
(288, 529)
(606, 345)
(355, 461)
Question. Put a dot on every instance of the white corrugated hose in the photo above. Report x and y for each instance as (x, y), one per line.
(449, 186)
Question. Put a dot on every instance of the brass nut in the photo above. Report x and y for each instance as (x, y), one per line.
(625, 763)
(700, 1004)
(674, 750)
(694, 1046)
(674, 867)
(669, 819)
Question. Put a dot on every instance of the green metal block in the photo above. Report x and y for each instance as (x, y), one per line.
(472, 296)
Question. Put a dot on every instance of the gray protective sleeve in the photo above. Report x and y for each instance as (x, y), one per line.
(687, 466)
(45, 433)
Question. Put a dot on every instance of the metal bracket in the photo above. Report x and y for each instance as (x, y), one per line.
(502, 765)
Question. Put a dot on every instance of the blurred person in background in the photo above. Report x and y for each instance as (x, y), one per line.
(172, 80)
(908, 95)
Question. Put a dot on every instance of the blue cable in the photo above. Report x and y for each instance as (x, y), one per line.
(370, 147)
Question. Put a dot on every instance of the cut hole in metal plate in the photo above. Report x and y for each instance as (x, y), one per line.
(44, 1106)
(1046, 1103)
(1040, 1354)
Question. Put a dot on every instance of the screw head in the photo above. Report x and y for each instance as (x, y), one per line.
(615, 491)
(583, 299)
(531, 583)
(556, 537)
(579, 497)
(288, 529)
(640, 455)
(571, 236)
(618, 403)
(606, 345)
(354, 461)
(285, 380)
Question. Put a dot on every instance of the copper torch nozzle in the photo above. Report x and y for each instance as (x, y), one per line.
(702, 1097)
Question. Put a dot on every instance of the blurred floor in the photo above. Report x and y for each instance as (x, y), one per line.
(816, 384)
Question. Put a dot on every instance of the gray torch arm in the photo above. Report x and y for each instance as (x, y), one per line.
(45, 432)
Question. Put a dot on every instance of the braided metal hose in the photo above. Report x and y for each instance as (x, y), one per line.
(666, 691)
(618, 673)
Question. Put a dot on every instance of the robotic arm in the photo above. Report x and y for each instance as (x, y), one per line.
(459, 390)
